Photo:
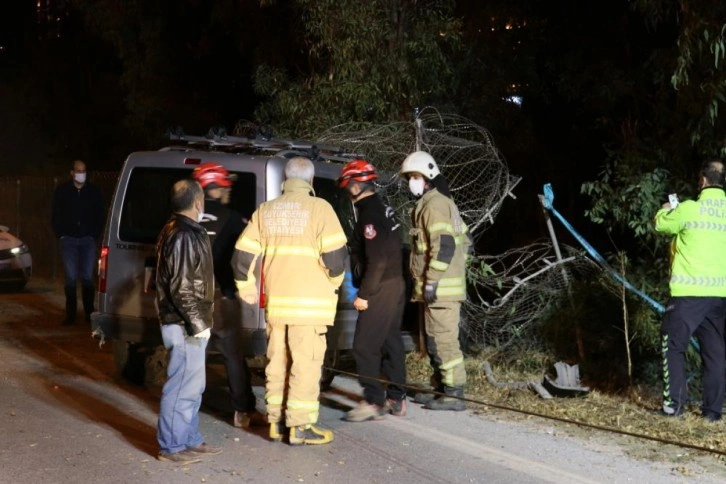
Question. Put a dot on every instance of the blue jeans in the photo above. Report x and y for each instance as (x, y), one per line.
(178, 426)
(79, 259)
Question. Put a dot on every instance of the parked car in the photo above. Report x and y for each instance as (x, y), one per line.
(16, 263)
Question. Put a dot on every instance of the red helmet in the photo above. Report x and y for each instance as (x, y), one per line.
(358, 170)
(212, 173)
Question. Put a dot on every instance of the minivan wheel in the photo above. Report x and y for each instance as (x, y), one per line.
(130, 361)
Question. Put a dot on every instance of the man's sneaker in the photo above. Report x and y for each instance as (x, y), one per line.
(396, 408)
(277, 431)
(309, 434)
(668, 411)
(245, 420)
(183, 457)
(365, 411)
(205, 449)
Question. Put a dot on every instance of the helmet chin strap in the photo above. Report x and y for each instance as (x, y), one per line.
(354, 198)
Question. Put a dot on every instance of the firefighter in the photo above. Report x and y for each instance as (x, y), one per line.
(224, 226)
(439, 246)
(376, 253)
(697, 304)
(298, 240)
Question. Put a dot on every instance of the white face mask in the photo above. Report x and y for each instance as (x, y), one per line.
(79, 177)
(416, 185)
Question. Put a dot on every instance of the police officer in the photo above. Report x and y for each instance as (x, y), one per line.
(224, 226)
(697, 306)
(376, 252)
(439, 247)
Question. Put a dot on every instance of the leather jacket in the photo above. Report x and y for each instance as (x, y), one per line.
(184, 275)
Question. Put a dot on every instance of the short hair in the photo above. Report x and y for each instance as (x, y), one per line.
(184, 193)
(713, 171)
(299, 168)
(365, 186)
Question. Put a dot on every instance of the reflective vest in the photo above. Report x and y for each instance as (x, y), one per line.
(698, 260)
(299, 239)
(439, 246)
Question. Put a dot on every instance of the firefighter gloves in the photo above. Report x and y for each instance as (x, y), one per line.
(430, 293)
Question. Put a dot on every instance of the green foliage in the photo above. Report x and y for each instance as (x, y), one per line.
(594, 316)
(181, 61)
(627, 198)
(375, 61)
(699, 71)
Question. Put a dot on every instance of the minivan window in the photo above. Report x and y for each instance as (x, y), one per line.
(327, 189)
(146, 206)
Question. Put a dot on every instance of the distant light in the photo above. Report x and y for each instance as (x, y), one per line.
(514, 100)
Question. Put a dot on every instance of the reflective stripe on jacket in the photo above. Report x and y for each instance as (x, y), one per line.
(698, 265)
(439, 246)
(302, 245)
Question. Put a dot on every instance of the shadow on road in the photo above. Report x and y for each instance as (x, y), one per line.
(137, 433)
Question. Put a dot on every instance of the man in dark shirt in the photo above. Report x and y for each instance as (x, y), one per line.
(376, 252)
(224, 226)
(78, 218)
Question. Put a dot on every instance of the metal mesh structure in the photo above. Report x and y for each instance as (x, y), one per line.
(510, 293)
(476, 172)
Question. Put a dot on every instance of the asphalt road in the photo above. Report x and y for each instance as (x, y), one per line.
(66, 417)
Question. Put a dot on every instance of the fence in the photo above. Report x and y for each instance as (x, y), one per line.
(25, 207)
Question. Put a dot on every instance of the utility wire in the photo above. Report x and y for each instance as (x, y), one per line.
(544, 416)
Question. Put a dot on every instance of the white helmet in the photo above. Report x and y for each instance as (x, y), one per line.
(420, 162)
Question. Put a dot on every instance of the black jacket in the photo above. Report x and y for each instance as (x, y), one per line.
(223, 227)
(184, 275)
(78, 212)
(376, 246)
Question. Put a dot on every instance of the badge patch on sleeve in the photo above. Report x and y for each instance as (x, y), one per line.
(369, 231)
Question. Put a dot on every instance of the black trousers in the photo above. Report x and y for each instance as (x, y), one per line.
(226, 332)
(378, 346)
(702, 317)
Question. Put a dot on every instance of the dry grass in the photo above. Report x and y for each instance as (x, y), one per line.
(634, 412)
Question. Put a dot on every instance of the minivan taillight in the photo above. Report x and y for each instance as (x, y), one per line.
(103, 269)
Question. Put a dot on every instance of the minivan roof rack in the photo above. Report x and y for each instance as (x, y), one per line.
(217, 138)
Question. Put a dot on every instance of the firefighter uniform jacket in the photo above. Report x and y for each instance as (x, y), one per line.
(439, 246)
(301, 244)
(698, 265)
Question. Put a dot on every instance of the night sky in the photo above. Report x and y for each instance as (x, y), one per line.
(582, 68)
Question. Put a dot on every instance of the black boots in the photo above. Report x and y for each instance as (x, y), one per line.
(88, 293)
(71, 304)
(452, 400)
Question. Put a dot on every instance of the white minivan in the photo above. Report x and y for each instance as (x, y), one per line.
(126, 312)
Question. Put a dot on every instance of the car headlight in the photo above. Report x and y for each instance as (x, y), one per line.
(21, 249)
